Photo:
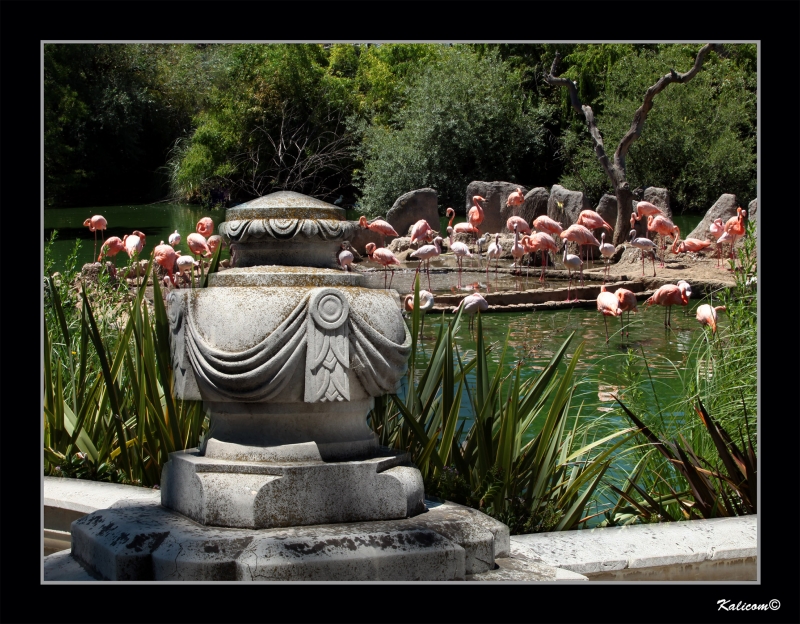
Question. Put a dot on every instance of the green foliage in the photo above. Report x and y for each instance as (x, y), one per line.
(699, 140)
(108, 408)
(531, 482)
(465, 117)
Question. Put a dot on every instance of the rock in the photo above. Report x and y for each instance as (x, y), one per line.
(495, 194)
(564, 205)
(413, 206)
(90, 272)
(752, 211)
(724, 208)
(607, 208)
(400, 244)
(535, 204)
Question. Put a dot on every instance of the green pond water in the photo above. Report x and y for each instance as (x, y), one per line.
(533, 336)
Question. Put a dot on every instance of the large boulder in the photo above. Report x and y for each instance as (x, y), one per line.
(565, 206)
(724, 208)
(607, 208)
(752, 210)
(535, 204)
(413, 206)
(495, 194)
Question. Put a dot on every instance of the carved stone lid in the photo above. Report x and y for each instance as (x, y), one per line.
(285, 205)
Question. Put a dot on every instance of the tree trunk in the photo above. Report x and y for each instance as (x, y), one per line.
(615, 170)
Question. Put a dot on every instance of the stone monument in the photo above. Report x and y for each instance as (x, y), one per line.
(288, 352)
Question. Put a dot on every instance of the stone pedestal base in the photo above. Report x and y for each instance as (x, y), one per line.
(137, 541)
(290, 487)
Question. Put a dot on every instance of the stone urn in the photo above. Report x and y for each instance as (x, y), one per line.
(287, 351)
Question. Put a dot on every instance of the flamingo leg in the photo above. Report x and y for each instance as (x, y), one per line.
(428, 271)
(605, 320)
(654, 263)
(390, 280)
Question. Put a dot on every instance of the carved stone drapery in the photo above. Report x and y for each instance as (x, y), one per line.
(320, 339)
(253, 230)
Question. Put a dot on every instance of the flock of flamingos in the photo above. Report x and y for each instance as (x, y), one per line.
(542, 238)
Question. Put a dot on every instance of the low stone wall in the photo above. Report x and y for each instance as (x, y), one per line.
(721, 549)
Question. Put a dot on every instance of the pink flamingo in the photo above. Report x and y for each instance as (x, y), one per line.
(572, 263)
(607, 250)
(97, 222)
(516, 199)
(470, 305)
(592, 220)
(174, 238)
(461, 250)
(543, 223)
(420, 231)
(380, 226)
(689, 244)
(345, 257)
(580, 235)
(464, 227)
(198, 244)
(608, 304)
(663, 226)
(668, 296)
(627, 303)
(475, 215)
(166, 257)
(384, 257)
(645, 209)
(707, 315)
(717, 229)
(205, 227)
(214, 242)
(643, 244)
(110, 247)
(425, 253)
(735, 226)
(493, 251)
(522, 225)
(425, 304)
(542, 241)
(133, 244)
(724, 239)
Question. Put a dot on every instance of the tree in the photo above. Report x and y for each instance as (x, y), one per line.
(615, 168)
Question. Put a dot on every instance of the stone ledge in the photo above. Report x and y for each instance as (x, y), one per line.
(83, 496)
(595, 551)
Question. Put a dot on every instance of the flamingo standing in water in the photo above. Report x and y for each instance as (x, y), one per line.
(541, 241)
(425, 304)
(607, 250)
(110, 247)
(480, 242)
(475, 214)
(461, 250)
(517, 250)
(608, 304)
(687, 287)
(717, 229)
(382, 256)
(425, 253)
(345, 257)
(593, 221)
(495, 250)
(707, 315)
(97, 222)
(166, 257)
(663, 226)
(643, 244)
(627, 303)
(380, 226)
(580, 235)
(735, 227)
(668, 296)
(470, 305)
(572, 263)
